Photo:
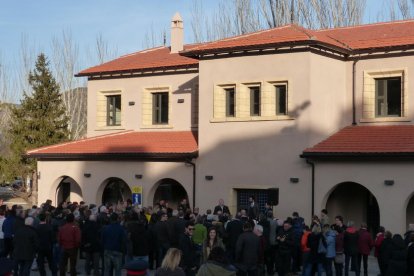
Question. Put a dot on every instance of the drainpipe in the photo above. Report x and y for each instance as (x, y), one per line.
(194, 179)
(313, 187)
(353, 92)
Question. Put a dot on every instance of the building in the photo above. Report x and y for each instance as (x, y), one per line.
(307, 119)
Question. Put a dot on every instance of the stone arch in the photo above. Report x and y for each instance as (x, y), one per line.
(112, 190)
(364, 207)
(171, 190)
(66, 188)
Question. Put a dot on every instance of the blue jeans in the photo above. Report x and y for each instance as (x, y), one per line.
(308, 269)
(24, 267)
(112, 259)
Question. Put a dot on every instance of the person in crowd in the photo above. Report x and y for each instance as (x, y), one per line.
(2, 219)
(384, 253)
(247, 251)
(91, 233)
(199, 234)
(365, 244)
(212, 240)
(298, 224)
(184, 206)
(397, 264)
(351, 249)
(217, 264)
(221, 207)
(163, 237)
(378, 241)
(317, 246)
(407, 235)
(285, 240)
(8, 231)
(170, 264)
(410, 256)
(270, 254)
(26, 245)
(69, 239)
(138, 237)
(304, 247)
(258, 230)
(186, 245)
(324, 217)
(47, 239)
(330, 238)
(233, 230)
(339, 250)
(253, 208)
(339, 221)
(152, 256)
(114, 240)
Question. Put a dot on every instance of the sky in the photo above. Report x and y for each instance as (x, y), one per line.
(123, 24)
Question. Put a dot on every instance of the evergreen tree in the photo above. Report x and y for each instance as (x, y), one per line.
(39, 120)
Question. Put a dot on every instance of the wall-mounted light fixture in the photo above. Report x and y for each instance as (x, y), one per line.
(138, 176)
(389, 182)
(180, 100)
(87, 175)
(209, 177)
(294, 180)
(131, 103)
(38, 175)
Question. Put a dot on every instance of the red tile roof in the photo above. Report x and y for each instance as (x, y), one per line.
(131, 143)
(155, 58)
(379, 35)
(360, 140)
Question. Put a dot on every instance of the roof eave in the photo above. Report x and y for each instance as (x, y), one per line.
(357, 155)
(113, 156)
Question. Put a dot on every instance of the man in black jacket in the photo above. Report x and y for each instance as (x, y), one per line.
(221, 207)
(247, 251)
(47, 237)
(26, 244)
(163, 237)
(92, 246)
(187, 247)
(285, 248)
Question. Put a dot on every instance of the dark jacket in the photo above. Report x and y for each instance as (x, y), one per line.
(114, 237)
(410, 259)
(224, 209)
(26, 243)
(139, 238)
(398, 260)
(384, 254)
(166, 272)
(187, 247)
(234, 229)
(313, 245)
(285, 246)
(351, 241)
(47, 236)
(7, 227)
(365, 242)
(247, 250)
(212, 268)
(91, 236)
(162, 234)
(253, 211)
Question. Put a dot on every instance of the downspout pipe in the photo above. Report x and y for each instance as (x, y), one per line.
(313, 187)
(353, 92)
(189, 162)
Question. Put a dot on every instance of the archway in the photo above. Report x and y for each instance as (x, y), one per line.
(115, 190)
(354, 202)
(409, 218)
(68, 190)
(170, 190)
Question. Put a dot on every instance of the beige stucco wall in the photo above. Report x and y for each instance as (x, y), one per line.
(92, 188)
(181, 86)
(265, 154)
(392, 200)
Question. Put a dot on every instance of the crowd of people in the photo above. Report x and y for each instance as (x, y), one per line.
(182, 241)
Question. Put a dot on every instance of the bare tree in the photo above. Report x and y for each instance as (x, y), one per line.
(406, 9)
(65, 61)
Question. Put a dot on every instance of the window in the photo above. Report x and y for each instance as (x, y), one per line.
(388, 97)
(160, 108)
(281, 99)
(113, 110)
(230, 102)
(255, 101)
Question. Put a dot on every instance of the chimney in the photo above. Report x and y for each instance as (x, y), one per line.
(177, 33)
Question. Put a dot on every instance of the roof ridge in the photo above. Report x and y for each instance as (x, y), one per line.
(79, 141)
(368, 24)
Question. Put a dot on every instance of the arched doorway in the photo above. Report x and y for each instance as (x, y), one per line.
(68, 190)
(409, 218)
(115, 190)
(354, 202)
(170, 190)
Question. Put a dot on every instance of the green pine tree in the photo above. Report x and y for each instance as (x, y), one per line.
(39, 120)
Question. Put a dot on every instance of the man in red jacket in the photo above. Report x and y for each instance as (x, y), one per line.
(69, 240)
(365, 244)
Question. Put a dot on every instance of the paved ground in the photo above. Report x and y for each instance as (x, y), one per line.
(372, 268)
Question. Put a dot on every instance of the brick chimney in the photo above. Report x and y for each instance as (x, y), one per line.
(177, 33)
